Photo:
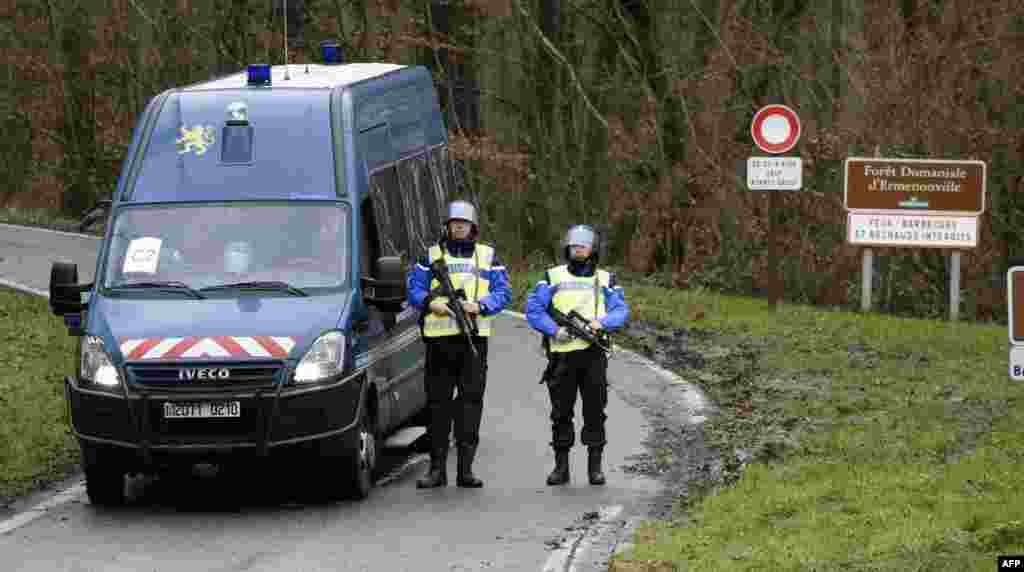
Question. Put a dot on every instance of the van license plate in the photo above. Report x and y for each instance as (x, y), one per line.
(202, 409)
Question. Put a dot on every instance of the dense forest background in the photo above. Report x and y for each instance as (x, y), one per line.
(628, 114)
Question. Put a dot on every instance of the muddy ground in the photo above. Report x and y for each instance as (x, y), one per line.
(692, 459)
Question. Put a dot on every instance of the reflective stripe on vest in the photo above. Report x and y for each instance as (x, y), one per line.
(577, 293)
(441, 326)
(465, 274)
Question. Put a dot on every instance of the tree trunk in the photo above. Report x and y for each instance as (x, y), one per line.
(460, 89)
(296, 21)
(671, 118)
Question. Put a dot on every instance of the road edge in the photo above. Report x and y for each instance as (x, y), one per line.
(53, 230)
(23, 288)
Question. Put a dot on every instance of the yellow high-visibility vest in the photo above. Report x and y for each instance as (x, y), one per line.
(585, 294)
(465, 274)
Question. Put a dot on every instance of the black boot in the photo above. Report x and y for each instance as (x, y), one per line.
(465, 477)
(594, 466)
(560, 474)
(437, 476)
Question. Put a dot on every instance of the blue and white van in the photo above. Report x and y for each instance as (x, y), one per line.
(249, 299)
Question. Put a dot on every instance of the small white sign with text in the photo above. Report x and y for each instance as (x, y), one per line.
(775, 173)
(143, 255)
(912, 230)
(1017, 363)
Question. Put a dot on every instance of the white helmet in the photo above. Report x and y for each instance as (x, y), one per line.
(580, 235)
(463, 210)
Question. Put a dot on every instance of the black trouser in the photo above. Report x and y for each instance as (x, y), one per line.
(584, 371)
(450, 365)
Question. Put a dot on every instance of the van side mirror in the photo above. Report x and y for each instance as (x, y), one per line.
(387, 290)
(96, 213)
(66, 295)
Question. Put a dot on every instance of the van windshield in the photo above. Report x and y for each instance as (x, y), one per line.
(239, 145)
(303, 245)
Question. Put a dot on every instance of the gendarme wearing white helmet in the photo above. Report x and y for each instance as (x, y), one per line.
(464, 211)
(580, 235)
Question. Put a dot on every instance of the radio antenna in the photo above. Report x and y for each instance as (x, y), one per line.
(284, 6)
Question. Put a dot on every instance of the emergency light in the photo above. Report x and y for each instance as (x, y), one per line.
(331, 52)
(259, 74)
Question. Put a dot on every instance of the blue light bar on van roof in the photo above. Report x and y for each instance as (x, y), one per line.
(259, 74)
(331, 52)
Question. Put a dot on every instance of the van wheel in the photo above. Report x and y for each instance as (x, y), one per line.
(104, 485)
(361, 463)
(104, 475)
(351, 467)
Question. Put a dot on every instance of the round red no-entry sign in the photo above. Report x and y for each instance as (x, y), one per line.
(775, 128)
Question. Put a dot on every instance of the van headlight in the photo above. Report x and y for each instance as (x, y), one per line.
(325, 359)
(97, 367)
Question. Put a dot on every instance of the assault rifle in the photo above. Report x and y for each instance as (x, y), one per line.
(579, 327)
(447, 289)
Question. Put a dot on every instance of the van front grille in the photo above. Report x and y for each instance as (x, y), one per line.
(206, 376)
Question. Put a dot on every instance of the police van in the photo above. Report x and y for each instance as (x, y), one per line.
(249, 293)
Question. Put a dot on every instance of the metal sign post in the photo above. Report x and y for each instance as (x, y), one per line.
(775, 285)
(866, 267)
(954, 285)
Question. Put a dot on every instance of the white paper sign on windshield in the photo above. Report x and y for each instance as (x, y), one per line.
(143, 255)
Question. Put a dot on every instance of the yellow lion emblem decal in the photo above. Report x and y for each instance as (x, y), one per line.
(196, 139)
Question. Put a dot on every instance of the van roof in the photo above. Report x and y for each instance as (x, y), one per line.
(318, 77)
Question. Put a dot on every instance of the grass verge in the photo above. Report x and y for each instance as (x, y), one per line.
(849, 441)
(36, 446)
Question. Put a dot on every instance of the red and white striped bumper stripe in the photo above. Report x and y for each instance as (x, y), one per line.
(201, 347)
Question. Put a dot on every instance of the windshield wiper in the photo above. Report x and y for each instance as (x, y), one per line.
(169, 285)
(258, 285)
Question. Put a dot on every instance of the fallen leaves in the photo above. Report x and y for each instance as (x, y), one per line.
(642, 566)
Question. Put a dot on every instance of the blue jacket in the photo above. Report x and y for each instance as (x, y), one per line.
(420, 276)
(540, 298)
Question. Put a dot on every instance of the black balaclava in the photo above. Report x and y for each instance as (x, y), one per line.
(462, 248)
(584, 268)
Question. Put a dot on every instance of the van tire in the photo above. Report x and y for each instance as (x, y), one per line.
(105, 485)
(360, 464)
(349, 475)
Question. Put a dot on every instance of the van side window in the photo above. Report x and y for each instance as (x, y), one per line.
(369, 243)
(390, 212)
(407, 121)
(377, 147)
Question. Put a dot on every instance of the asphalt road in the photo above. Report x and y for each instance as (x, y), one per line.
(208, 523)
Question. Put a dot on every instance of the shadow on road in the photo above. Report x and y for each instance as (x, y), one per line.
(264, 488)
